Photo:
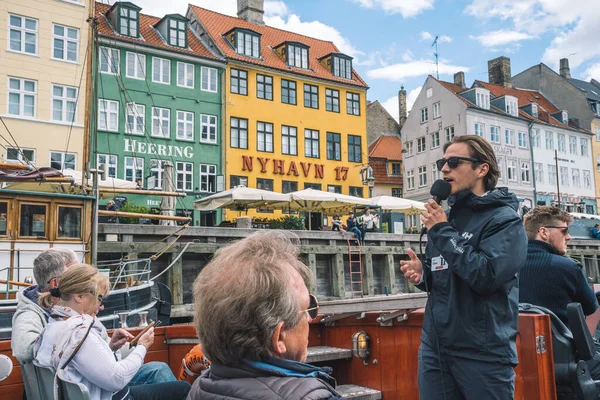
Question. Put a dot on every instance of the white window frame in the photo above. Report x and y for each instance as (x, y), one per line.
(289, 136)
(23, 30)
(480, 131)
(137, 113)
(552, 174)
(449, 133)
(509, 137)
(22, 93)
(206, 171)
(63, 156)
(211, 75)
(65, 100)
(421, 145)
(565, 117)
(500, 169)
(549, 139)
(536, 139)
(157, 169)
(66, 40)
(161, 118)
(534, 110)
(564, 176)
(429, 92)
(105, 105)
(111, 161)
(207, 123)
(410, 149)
(139, 65)
(576, 177)
(512, 165)
(263, 135)
(512, 107)
(587, 179)
(185, 125)
(525, 172)
(597, 133)
(435, 140)
(187, 176)
(522, 140)
(585, 148)
(161, 64)
(437, 110)
(495, 136)
(424, 115)
(182, 81)
(539, 172)
(112, 58)
(410, 179)
(133, 164)
(422, 176)
(20, 156)
(482, 99)
(573, 145)
(435, 174)
(563, 148)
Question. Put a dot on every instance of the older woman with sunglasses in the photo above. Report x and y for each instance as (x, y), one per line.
(72, 341)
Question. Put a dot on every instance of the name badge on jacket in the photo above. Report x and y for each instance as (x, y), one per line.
(438, 264)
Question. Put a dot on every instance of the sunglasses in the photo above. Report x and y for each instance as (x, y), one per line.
(101, 298)
(313, 307)
(453, 162)
(563, 229)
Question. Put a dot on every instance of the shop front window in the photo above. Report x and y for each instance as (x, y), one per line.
(69, 222)
(33, 220)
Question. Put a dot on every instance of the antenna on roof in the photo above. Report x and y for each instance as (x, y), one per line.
(435, 54)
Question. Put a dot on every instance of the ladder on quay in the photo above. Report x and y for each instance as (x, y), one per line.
(355, 265)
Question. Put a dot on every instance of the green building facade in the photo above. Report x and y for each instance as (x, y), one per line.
(159, 99)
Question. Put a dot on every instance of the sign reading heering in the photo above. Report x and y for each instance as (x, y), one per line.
(133, 146)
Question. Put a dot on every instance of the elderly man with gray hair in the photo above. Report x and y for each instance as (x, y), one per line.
(252, 311)
(30, 319)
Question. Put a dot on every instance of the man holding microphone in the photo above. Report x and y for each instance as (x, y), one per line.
(473, 255)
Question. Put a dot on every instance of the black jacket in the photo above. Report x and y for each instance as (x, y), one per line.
(553, 281)
(473, 306)
(274, 379)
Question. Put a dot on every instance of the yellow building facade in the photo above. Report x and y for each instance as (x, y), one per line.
(43, 75)
(295, 110)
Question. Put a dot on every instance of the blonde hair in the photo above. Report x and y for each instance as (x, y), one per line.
(78, 279)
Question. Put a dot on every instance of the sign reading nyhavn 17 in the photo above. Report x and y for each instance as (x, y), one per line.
(279, 168)
(165, 150)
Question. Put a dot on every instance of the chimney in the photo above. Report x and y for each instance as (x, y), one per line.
(251, 10)
(402, 104)
(595, 82)
(499, 72)
(565, 71)
(459, 79)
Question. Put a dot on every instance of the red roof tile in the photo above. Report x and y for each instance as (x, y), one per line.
(217, 25)
(149, 35)
(386, 147)
(381, 175)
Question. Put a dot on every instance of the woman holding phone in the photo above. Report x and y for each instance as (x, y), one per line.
(72, 341)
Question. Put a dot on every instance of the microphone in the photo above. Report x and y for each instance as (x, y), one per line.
(440, 190)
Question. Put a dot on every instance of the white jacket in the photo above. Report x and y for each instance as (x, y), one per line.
(94, 365)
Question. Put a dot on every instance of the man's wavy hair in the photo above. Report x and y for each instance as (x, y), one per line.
(544, 216)
(244, 292)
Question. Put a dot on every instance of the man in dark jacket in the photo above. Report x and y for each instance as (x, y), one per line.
(252, 310)
(352, 225)
(551, 280)
(473, 255)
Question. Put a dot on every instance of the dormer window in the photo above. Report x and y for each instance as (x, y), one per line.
(128, 21)
(482, 98)
(297, 55)
(342, 66)
(247, 43)
(511, 106)
(177, 33)
(565, 117)
(534, 110)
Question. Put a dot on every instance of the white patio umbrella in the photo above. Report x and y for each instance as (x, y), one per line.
(243, 197)
(311, 200)
(398, 204)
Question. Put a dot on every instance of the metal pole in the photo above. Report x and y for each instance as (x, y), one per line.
(557, 176)
(95, 219)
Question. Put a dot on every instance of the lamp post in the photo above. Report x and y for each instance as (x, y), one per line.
(366, 174)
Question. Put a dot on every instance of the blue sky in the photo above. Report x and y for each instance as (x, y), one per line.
(390, 40)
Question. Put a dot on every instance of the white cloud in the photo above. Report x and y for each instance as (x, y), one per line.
(441, 38)
(574, 24)
(393, 106)
(399, 72)
(501, 37)
(408, 55)
(275, 8)
(593, 72)
(408, 8)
